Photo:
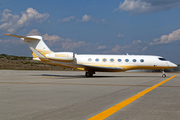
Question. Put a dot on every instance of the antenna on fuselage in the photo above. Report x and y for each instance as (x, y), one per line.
(127, 54)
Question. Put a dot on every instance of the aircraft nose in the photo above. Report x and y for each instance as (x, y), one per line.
(172, 65)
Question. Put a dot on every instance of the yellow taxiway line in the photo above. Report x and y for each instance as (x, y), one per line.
(113, 109)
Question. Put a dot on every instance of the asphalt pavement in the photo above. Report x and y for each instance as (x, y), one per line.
(69, 95)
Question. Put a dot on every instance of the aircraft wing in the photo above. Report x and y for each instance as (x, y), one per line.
(101, 68)
(90, 67)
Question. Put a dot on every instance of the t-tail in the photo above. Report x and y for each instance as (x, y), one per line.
(41, 52)
(35, 43)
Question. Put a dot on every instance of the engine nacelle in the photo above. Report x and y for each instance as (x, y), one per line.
(61, 55)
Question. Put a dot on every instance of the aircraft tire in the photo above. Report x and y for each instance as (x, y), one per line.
(164, 75)
(88, 74)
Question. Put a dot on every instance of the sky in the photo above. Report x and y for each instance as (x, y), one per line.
(136, 27)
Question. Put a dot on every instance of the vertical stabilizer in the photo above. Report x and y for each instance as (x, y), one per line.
(35, 42)
(39, 45)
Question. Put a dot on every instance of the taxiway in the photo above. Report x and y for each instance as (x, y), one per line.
(65, 95)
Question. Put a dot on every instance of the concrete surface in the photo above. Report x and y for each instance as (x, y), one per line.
(64, 95)
(176, 69)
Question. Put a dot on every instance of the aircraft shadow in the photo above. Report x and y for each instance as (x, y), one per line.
(82, 76)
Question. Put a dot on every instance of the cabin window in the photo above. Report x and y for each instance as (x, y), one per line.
(141, 60)
(104, 60)
(111, 60)
(119, 60)
(134, 60)
(162, 59)
(97, 59)
(89, 59)
(127, 60)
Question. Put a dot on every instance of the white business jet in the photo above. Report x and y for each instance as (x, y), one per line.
(92, 63)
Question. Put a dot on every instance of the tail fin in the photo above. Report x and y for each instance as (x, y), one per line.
(35, 42)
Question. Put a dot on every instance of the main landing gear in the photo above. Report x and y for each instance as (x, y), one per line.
(89, 73)
(164, 75)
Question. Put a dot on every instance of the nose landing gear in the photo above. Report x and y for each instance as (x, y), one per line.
(163, 75)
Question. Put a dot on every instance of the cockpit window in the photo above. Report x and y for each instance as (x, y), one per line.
(162, 59)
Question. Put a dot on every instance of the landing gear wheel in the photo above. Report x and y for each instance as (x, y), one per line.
(164, 75)
(88, 74)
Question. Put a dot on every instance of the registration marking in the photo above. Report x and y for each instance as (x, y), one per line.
(113, 109)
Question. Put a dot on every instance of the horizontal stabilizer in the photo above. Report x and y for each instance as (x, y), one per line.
(22, 37)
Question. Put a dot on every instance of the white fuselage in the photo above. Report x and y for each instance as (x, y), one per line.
(128, 62)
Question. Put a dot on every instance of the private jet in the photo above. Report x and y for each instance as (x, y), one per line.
(93, 63)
